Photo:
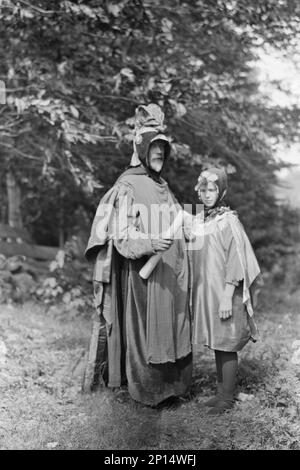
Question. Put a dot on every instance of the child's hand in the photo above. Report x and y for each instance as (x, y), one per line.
(225, 308)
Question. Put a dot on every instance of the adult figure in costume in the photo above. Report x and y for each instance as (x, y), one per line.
(145, 332)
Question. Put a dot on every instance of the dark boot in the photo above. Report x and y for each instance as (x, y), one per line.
(229, 371)
(214, 400)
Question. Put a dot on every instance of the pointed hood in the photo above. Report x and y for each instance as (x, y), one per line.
(149, 127)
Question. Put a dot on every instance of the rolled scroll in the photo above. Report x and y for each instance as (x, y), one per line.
(170, 233)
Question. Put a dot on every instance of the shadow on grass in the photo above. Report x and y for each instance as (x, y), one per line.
(251, 377)
(204, 383)
(252, 374)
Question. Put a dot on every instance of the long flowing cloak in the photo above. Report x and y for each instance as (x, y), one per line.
(226, 255)
(146, 328)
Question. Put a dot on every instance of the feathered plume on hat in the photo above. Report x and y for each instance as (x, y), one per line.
(149, 117)
(149, 120)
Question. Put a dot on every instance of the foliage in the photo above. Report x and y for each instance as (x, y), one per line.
(75, 71)
(68, 282)
(17, 284)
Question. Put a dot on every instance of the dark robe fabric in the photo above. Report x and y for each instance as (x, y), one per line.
(146, 328)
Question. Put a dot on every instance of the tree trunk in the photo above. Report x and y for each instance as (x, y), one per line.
(61, 233)
(61, 237)
(14, 201)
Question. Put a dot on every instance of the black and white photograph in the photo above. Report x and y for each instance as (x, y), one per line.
(150, 227)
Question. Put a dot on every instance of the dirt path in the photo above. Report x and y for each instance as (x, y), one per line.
(41, 365)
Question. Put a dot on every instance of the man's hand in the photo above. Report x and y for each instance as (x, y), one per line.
(225, 308)
(161, 244)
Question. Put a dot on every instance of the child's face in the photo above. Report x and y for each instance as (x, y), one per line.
(208, 194)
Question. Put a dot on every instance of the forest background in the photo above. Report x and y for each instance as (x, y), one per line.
(72, 73)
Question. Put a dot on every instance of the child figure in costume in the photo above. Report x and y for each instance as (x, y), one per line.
(223, 272)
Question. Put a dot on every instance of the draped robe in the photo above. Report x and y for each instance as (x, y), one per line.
(146, 325)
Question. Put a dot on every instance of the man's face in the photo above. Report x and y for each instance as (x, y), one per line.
(156, 155)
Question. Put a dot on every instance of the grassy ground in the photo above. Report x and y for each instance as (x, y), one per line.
(42, 356)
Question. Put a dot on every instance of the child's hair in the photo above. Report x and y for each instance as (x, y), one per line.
(216, 175)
